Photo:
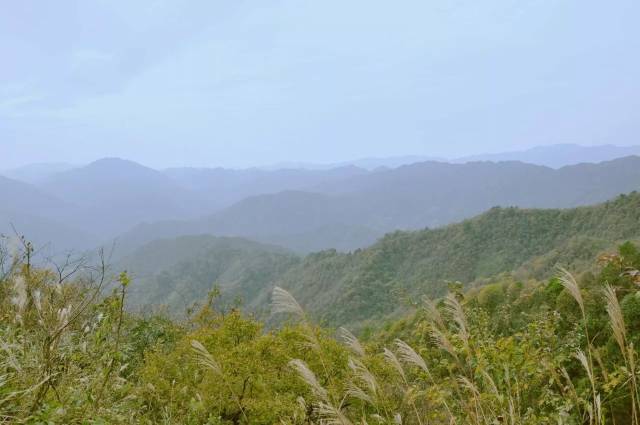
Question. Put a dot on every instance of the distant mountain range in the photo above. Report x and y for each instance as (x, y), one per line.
(345, 207)
(224, 187)
(355, 211)
(36, 173)
(556, 156)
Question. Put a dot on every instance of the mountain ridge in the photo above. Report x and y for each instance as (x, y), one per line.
(411, 197)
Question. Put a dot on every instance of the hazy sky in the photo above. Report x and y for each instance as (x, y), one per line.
(240, 83)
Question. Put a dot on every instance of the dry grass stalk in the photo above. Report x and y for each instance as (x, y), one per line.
(309, 378)
(409, 355)
(441, 339)
(363, 374)
(204, 357)
(454, 308)
(283, 302)
(569, 283)
(434, 313)
(331, 415)
(615, 317)
(352, 342)
(391, 358)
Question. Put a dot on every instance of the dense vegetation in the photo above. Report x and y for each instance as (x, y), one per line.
(362, 287)
(535, 352)
(174, 273)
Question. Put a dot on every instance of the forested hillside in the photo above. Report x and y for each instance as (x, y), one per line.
(180, 272)
(346, 288)
(369, 284)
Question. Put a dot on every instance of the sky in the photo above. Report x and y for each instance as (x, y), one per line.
(240, 83)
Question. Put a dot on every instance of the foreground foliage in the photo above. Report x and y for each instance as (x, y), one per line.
(561, 351)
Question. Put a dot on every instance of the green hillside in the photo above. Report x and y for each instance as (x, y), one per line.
(179, 272)
(385, 279)
(371, 283)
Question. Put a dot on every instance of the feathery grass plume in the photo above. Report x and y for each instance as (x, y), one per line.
(595, 409)
(283, 302)
(363, 374)
(391, 358)
(490, 381)
(37, 300)
(63, 316)
(204, 357)
(19, 299)
(353, 390)
(434, 313)
(479, 410)
(409, 355)
(616, 318)
(569, 383)
(331, 415)
(582, 358)
(352, 342)
(620, 334)
(569, 283)
(598, 408)
(442, 341)
(309, 378)
(454, 308)
(469, 385)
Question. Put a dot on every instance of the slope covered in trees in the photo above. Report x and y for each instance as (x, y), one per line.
(176, 273)
(372, 283)
(345, 288)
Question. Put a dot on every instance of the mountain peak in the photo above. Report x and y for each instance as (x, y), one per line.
(111, 162)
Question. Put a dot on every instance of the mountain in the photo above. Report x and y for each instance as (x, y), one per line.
(301, 221)
(372, 283)
(23, 197)
(240, 268)
(353, 212)
(113, 195)
(554, 156)
(304, 210)
(225, 187)
(384, 279)
(557, 156)
(363, 163)
(37, 173)
(38, 216)
(50, 237)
